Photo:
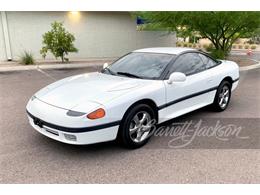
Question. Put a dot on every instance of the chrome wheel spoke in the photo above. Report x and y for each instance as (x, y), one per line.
(144, 118)
(226, 93)
(136, 120)
(139, 136)
(225, 99)
(133, 130)
(221, 100)
(146, 128)
(143, 136)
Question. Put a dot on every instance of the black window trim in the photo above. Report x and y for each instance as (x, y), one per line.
(168, 67)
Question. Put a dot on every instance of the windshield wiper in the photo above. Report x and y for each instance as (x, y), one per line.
(128, 74)
(110, 71)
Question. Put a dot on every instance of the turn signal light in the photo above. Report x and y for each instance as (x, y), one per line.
(99, 113)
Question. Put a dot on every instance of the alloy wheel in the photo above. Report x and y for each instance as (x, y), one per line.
(224, 96)
(140, 126)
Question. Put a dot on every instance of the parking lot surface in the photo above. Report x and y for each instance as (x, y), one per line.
(28, 157)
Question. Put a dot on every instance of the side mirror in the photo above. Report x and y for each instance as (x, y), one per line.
(105, 65)
(176, 77)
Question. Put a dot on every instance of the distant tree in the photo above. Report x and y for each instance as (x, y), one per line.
(58, 41)
(255, 37)
(221, 28)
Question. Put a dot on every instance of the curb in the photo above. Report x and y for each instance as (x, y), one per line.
(251, 67)
(49, 66)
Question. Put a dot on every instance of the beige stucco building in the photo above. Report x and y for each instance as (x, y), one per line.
(98, 34)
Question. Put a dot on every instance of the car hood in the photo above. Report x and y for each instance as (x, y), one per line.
(87, 91)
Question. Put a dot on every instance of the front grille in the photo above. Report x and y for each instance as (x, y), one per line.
(52, 131)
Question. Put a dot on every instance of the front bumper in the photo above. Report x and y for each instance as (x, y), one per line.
(53, 122)
(82, 138)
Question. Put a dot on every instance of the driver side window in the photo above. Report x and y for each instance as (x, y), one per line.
(189, 63)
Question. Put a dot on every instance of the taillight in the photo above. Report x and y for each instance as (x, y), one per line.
(99, 113)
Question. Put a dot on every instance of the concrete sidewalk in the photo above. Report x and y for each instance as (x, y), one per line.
(15, 66)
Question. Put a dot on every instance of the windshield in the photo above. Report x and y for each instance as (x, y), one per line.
(140, 65)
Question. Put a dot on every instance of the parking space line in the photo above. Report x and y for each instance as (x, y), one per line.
(45, 73)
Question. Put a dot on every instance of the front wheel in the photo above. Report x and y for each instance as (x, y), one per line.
(222, 96)
(136, 126)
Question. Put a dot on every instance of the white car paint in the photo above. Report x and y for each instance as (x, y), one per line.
(115, 94)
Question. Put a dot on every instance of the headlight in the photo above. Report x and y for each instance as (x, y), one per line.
(74, 113)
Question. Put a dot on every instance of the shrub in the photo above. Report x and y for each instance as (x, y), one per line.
(194, 45)
(58, 41)
(218, 54)
(253, 46)
(205, 46)
(209, 47)
(234, 46)
(250, 41)
(185, 44)
(240, 46)
(190, 45)
(179, 44)
(246, 46)
(26, 58)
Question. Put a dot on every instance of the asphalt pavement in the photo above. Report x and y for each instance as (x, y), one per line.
(255, 55)
(28, 157)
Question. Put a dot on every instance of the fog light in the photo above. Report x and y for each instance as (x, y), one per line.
(70, 137)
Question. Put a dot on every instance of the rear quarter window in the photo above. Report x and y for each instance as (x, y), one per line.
(209, 63)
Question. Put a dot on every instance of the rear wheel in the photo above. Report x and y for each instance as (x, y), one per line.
(222, 96)
(136, 126)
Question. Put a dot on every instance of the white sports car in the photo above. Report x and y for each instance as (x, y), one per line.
(153, 84)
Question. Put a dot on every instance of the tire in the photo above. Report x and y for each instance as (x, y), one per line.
(221, 101)
(128, 128)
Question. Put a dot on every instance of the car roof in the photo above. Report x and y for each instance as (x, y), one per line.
(166, 50)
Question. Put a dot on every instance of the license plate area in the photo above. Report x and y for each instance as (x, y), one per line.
(53, 132)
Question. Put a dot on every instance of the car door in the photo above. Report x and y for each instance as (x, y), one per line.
(189, 95)
(214, 72)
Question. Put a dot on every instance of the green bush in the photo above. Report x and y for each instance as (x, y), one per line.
(234, 46)
(209, 47)
(26, 58)
(205, 46)
(215, 53)
(246, 46)
(190, 45)
(240, 46)
(218, 54)
(179, 44)
(253, 46)
(58, 41)
(185, 44)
